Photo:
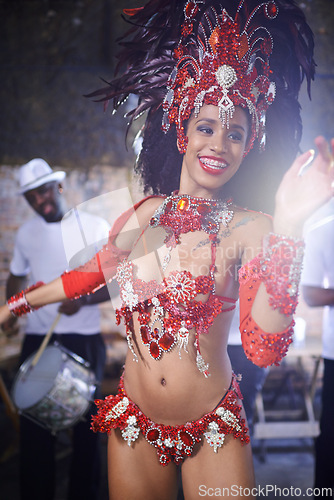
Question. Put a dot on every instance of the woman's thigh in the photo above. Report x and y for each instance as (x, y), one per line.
(135, 473)
(227, 473)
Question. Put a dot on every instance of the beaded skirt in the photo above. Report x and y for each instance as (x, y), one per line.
(172, 443)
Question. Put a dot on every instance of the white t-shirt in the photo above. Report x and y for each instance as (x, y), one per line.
(41, 252)
(234, 336)
(318, 267)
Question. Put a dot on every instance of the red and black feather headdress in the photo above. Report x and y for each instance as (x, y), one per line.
(179, 55)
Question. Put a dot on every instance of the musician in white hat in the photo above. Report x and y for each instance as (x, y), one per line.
(39, 255)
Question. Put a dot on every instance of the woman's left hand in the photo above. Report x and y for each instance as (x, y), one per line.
(308, 184)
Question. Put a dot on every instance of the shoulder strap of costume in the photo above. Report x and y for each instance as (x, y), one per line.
(125, 216)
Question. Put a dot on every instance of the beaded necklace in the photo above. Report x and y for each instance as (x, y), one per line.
(180, 214)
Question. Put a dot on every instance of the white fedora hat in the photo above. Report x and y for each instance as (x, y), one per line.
(37, 172)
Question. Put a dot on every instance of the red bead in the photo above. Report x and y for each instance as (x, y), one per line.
(169, 206)
(166, 341)
(182, 205)
(203, 209)
(155, 350)
(144, 332)
(272, 10)
(191, 9)
(186, 438)
(156, 332)
(153, 435)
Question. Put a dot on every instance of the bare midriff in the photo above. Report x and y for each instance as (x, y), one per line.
(185, 394)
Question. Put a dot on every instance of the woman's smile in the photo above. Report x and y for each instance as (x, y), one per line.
(213, 165)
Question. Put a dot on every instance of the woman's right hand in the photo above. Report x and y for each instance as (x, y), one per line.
(10, 327)
(5, 314)
(303, 190)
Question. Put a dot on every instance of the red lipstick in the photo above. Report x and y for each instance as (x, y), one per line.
(213, 165)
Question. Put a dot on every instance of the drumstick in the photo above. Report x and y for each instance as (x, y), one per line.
(45, 341)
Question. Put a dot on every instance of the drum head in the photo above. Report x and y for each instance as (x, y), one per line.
(33, 383)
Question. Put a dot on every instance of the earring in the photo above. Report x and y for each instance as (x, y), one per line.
(182, 143)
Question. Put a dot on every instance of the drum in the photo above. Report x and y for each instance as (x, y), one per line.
(57, 391)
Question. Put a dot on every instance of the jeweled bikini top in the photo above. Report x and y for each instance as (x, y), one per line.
(168, 311)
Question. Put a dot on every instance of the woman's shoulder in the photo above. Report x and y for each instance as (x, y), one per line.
(140, 214)
(251, 226)
(245, 216)
(145, 208)
(149, 204)
(131, 223)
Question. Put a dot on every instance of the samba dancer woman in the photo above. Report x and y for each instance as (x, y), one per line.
(209, 83)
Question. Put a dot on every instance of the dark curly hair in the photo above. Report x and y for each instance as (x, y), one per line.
(159, 161)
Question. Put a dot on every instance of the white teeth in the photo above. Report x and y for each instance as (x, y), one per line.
(213, 163)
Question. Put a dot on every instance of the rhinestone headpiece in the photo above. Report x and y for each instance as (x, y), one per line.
(224, 62)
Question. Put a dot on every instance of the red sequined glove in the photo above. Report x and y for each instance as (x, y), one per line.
(281, 267)
(95, 273)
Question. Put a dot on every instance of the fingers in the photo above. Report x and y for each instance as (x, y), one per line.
(322, 146)
(301, 163)
(326, 153)
(69, 307)
(324, 160)
(304, 161)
